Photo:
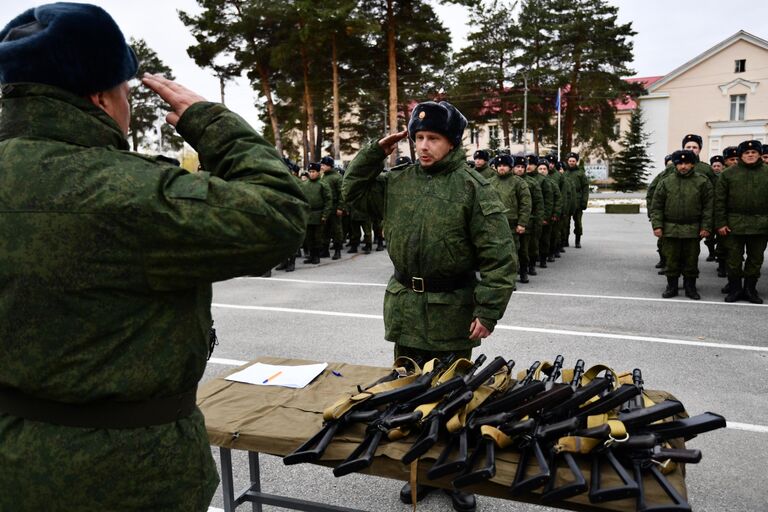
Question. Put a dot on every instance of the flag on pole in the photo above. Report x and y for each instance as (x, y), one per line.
(557, 101)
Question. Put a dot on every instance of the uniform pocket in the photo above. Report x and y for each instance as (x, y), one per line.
(393, 310)
(449, 314)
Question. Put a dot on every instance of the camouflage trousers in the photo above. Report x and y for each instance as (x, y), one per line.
(554, 236)
(355, 227)
(736, 245)
(523, 251)
(422, 356)
(333, 230)
(577, 227)
(682, 256)
(314, 237)
(533, 243)
(544, 240)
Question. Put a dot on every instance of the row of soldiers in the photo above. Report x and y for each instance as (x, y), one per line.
(541, 196)
(725, 204)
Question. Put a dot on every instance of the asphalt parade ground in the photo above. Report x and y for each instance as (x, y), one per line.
(601, 303)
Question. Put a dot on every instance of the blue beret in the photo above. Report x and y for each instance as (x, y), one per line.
(442, 118)
(77, 47)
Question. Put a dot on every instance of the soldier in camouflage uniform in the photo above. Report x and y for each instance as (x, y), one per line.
(537, 215)
(556, 179)
(482, 163)
(107, 259)
(443, 222)
(333, 228)
(514, 194)
(731, 156)
(569, 207)
(580, 187)
(682, 215)
(741, 217)
(548, 215)
(320, 197)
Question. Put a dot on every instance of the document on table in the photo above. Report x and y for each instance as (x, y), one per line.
(279, 375)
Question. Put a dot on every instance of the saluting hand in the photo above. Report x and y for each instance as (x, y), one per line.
(176, 95)
(389, 142)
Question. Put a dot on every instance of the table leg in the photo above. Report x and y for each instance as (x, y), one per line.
(253, 467)
(227, 487)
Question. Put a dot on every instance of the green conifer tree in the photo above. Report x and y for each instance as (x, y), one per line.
(631, 165)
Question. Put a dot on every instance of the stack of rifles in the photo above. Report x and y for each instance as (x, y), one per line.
(556, 421)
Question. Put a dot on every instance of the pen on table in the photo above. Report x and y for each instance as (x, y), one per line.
(338, 374)
(271, 377)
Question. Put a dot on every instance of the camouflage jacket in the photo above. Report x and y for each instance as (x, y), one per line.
(682, 205)
(741, 199)
(333, 179)
(537, 199)
(320, 197)
(486, 171)
(580, 187)
(516, 197)
(106, 264)
(438, 224)
(547, 195)
(557, 196)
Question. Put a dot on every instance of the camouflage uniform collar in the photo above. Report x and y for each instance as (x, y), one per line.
(44, 111)
(452, 161)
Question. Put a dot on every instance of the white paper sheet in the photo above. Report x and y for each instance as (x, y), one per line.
(277, 375)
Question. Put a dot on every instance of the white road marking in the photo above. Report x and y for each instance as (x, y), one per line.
(546, 294)
(747, 427)
(612, 336)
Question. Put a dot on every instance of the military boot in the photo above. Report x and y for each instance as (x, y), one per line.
(291, 266)
(532, 270)
(671, 290)
(523, 275)
(283, 265)
(543, 262)
(721, 268)
(578, 242)
(380, 245)
(710, 250)
(367, 248)
(662, 261)
(462, 501)
(557, 253)
(325, 252)
(551, 257)
(689, 285)
(734, 289)
(750, 290)
(352, 249)
(310, 256)
(336, 253)
(315, 256)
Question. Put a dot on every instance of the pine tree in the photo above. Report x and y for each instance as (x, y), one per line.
(630, 167)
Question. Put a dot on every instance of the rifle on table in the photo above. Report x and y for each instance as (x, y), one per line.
(313, 448)
(395, 415)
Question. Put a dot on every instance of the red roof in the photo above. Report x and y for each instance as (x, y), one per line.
(629, 103)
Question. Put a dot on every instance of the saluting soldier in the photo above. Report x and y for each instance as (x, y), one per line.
(332, 229)
(580, 185)
(682, 215)
(320, 197)
(741, 217)
(107, 259)
(514, 194)
(531, 235)
(442, 222)
(482, 160)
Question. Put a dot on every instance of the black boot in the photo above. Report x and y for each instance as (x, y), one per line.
(283, 265)
(578, 242)
(543, 262)
(662, 262)
(721, 268)
(734, 289)
(367, 248)
(324, 252)
(336, 253)
(557, 253)
(291, 266)
(310, 255)
(316, 256)
(750, 290)
(462, 501)
(380, 245)
(352, 249)
(532, 270)
(551, 257)
(671, 290)
(710, 250)
(421, 493)
(726, 289)
(523, 275)
(689, 284)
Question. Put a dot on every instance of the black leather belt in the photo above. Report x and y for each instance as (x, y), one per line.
(443, 284)
(102, 414)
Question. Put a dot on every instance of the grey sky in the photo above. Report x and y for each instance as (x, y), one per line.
(669, 33)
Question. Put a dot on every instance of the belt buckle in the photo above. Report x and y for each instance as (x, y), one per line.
(417, 281)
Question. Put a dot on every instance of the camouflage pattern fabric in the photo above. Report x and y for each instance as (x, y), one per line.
(741, 199)
(516, 198)
(682, 206)
(106, 264)
(320, 199)
(440, 224)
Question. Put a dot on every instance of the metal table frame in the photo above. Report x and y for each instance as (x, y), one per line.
(253, 492)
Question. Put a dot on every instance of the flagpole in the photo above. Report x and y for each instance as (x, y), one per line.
(558, 124)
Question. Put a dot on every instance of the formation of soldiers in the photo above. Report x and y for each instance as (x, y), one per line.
(543, 198)
(725, 204)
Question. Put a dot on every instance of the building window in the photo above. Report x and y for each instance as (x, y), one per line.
(474, 136)
(517, 135)
(738, 106)
(741, 65)
(493, 137)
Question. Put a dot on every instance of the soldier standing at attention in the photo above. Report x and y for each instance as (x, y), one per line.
(550, 200)
(580, 186)
(556, 179)
(482, 166)
(764, 156)
(514, 194)
(333, 229)
(668, 168)
(731, 156)
(566, 190)
(106, 264)
(682, 215)
(528, 238)
(443, 222)
(741, 217)
(540, 212)
(320, 197)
